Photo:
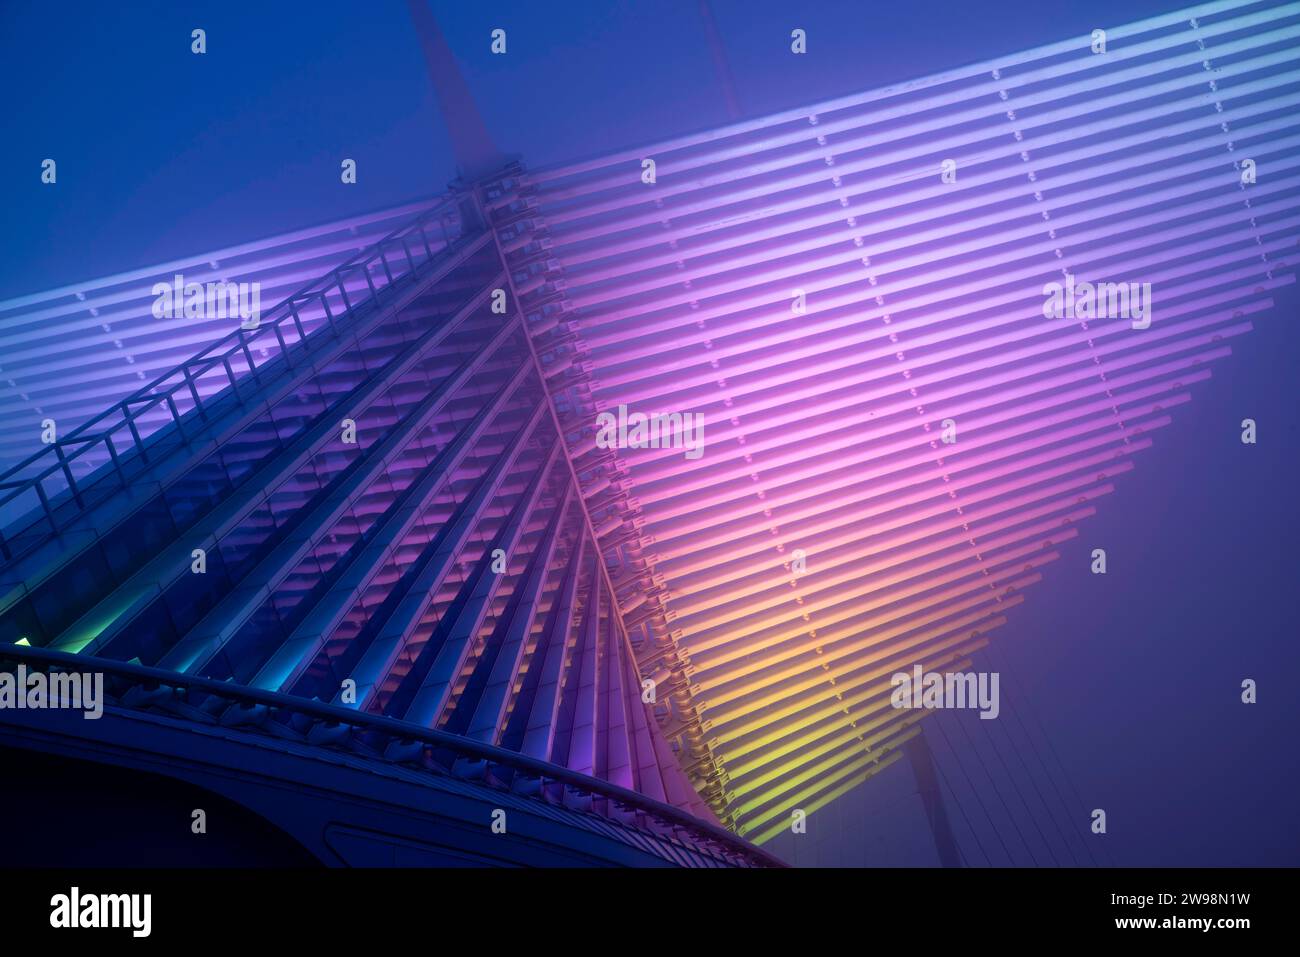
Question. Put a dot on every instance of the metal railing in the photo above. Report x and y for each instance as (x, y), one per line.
(72, 473)
(138, 688)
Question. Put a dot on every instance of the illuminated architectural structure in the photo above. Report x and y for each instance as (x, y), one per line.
(897, 437)
(369, 515)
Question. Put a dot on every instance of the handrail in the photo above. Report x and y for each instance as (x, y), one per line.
(404, 731)
(268, 337)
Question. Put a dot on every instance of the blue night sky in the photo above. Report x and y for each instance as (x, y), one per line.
(1135, 676)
